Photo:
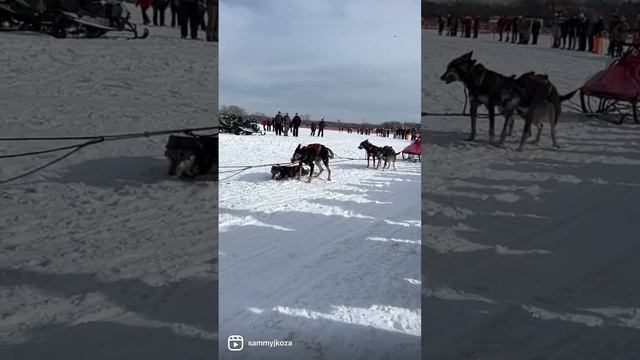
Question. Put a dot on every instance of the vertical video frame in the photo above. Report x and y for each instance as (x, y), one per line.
(108, 184)
(529, 117)
(319, 180)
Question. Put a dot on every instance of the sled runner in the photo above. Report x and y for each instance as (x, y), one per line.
(191, 155)
(413, 151)
(613, 94)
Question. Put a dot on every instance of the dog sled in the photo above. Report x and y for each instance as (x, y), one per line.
(613, 94)
(232, 124)
(63, 18)
(413, 152)
(191, 155)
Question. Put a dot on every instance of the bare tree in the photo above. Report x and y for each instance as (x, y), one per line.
(306, 117)
(233, 110)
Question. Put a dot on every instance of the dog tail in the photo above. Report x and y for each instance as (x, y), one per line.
(399, 153)
(330, 153)
(568, 96)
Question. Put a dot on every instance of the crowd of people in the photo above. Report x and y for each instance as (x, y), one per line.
(468, 25)
(519, 30)
(569, 31)
(189, 15)
(283, 124)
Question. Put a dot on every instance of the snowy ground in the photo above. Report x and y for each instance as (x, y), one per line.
(528, 255)
(103, 256)
(332, 266)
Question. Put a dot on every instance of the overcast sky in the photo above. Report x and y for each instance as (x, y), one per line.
(339, 59)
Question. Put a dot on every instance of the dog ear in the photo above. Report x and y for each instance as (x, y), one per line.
(298, 148)
(469, 54)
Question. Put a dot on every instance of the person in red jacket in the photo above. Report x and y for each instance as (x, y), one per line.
(501, 26)
(144, 5)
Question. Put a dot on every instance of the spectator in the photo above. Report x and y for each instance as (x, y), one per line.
(144, 5)
(583, 32)
(189, 18)
(277, 124)
(501, 27)
(476, 26)
(556, 31)
(321, 128)
(535, 31)
(296, 124)
(613, 25)
(159, 8)
(286, 122)
(175, 12)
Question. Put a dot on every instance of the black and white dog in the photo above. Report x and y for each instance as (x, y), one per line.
(279, 172)
(389, 156)
(373, 152)
(312, 154)
(535, 99)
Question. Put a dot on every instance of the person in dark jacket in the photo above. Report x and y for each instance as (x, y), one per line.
(440, 24)
(313, 128)
(535, 31)
(476, 26)
(295, 124)
(212, 18)
(189, 18)
(515, 23)
(277, 123)
(159, 8)
(583, 32)
(573, 27)
(175, 12)
(321, 128)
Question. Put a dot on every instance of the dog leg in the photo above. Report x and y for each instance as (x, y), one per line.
(326, 163)
(512, 121)
(553, 136)
(310, 171)
(492, 122)
(474, 113)
(503, 133)
(537, 139)
(320, 166)
(526, 132)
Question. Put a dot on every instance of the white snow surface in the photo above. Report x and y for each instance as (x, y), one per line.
(530, 255)
(104, 256)
(327, 265)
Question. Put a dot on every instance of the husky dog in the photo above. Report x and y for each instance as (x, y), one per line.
(312, 154)
(373, 152)
(389, 156)
(279, 172)
(483, 85)
(535, 99)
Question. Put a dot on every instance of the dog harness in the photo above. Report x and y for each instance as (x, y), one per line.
(316, 148)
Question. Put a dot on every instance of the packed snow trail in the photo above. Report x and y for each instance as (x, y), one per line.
(533, 254)
(332, 266)
(103, 256)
